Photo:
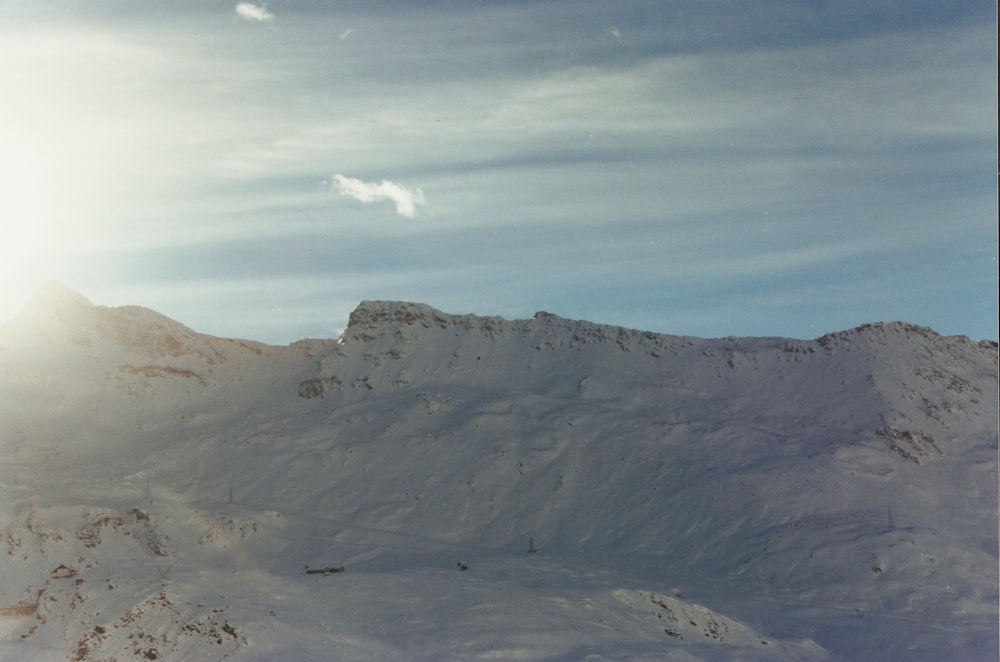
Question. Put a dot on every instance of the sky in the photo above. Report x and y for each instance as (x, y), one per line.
(699, 167)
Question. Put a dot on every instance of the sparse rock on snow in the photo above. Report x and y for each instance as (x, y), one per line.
(690, 498)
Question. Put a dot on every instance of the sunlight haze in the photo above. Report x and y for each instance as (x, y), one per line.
(256, 169)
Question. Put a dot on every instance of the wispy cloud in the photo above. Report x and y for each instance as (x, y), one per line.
(252, 12)
(406, 200)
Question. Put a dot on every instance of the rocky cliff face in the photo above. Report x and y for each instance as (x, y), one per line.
(893, 371)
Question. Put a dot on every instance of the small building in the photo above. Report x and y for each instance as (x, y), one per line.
(62, 572)
(324, 571)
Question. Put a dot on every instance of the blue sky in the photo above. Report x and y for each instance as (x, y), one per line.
(695, 167)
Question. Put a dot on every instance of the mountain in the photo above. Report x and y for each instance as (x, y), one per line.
(166, 493)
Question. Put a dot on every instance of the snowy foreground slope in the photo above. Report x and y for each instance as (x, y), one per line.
(163, 493)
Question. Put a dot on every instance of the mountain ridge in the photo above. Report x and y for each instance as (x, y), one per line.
(53, 302)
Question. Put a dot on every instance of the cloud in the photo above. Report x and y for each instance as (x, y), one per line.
(252, 12)
(406, 199)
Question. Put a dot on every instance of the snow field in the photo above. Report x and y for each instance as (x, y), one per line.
(740, 498)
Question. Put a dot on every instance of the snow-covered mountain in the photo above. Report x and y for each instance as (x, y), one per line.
(610, 493)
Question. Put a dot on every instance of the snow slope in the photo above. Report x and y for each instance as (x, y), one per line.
(737, 498)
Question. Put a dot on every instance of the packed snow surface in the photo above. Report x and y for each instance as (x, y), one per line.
(454, 487)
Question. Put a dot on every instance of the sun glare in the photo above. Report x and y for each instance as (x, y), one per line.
(43, 136)
(34, 229)
(76, 105)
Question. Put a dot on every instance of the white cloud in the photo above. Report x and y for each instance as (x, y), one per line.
(252, 12)
(406, 199)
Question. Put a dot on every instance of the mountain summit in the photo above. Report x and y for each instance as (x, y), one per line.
(680, 497)
(55, 295)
